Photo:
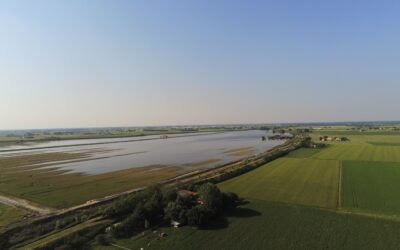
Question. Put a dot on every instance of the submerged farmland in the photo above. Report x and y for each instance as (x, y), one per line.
(66, 173)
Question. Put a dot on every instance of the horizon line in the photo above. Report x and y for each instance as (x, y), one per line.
(209, 125)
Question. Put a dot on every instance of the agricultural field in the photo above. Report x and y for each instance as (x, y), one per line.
(270, 225)
(9, 215)
(372, 186)
(309, 182)
(370, 170)
(303, 153)
(361, 152)
(309, 199)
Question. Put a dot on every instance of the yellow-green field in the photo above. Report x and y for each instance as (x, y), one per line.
(370, 170)
(365, 170)
(311, 182)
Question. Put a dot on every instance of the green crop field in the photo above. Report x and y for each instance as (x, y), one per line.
(361, 152)
(310, 182)
(385, 143)
(371, 186)
(268, 225)
(304, 153)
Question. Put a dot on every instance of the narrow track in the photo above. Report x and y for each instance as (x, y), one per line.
(21, 203)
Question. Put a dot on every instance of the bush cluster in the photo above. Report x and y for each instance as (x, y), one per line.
(153, 207)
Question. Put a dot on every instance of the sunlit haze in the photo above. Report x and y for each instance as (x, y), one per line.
(134, 63)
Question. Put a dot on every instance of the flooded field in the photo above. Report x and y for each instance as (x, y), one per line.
(190, 151)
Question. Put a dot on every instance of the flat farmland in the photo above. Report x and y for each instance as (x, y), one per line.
(310, 182)
(293, 202)
(370, 170)
(360, 152)
(373, 186)
(270, 225)
(304, 153)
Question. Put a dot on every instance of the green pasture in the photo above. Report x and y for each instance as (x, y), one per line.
(309, 182)
(360, 152)
(304, 153)
(373, 186)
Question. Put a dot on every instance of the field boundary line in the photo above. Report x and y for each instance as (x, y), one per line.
(340, 185)
(367, 214)
(121, 247)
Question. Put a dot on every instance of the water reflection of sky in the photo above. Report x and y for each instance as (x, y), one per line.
(173, 151)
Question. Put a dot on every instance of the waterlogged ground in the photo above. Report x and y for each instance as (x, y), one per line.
(193, 151)
(66, 175)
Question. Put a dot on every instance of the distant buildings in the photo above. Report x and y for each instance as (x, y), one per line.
(337, 139)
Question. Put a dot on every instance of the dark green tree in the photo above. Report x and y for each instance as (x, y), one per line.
(211, 197)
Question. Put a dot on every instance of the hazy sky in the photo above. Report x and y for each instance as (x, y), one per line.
(120, 63)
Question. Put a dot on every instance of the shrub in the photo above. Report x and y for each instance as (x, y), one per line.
(102, 240)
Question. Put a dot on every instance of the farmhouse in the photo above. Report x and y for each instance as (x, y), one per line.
(186, 193)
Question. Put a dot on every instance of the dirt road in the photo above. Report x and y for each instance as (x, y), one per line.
(21, 203)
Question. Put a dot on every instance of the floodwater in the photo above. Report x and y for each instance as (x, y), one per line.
(204, 150)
